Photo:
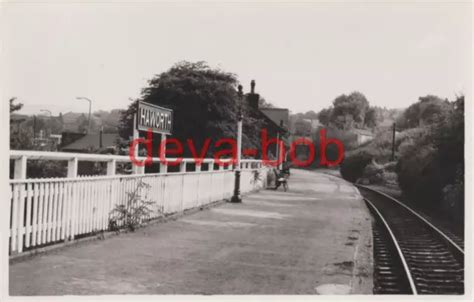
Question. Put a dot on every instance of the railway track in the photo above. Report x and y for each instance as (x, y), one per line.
(411, 255)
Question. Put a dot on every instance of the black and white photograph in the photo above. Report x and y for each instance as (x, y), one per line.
(268, 149)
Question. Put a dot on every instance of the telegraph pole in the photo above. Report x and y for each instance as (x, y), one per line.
(393, 142)
(237, 197)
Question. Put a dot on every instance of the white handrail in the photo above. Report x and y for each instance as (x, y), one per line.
(22, 156)
(47, 155)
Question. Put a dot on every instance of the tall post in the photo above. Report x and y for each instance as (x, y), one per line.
(101, 132)
(111, 167)
(20, 168)
(72, 166)
(237, 197)
(90, 106)
(277, 146)
(278, 152)
(135, 168)
(163, 166)
(393, 142)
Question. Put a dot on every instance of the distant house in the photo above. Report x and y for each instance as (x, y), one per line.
(315, 124)
(275, 120)
(56, 138)
(363, 135)
(280, 116)
(89, 142)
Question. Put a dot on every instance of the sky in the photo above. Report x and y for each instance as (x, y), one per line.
(301, 55)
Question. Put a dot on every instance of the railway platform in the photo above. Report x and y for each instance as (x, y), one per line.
(316, 238)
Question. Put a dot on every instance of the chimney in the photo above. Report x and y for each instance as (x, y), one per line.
(100, 137)
(253, 97)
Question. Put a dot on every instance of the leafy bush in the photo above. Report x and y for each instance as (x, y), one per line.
(353, 165)
(137, 208)
(374, 173)
(390, 166)
(348, 139)
(390, 178)
(419, 175)
(453, 196)
(380, 151)
(431, 165)
(46, 169)
(383, 174)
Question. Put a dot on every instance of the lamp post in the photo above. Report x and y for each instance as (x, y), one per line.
(46, 128)
(90, 104)
(237, 197)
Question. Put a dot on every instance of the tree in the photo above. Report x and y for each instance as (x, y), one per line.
(324, 116)
(433, 109)
(204, 103)
(14, 107)
(311, 115)
(448, 137)
(372, 117)
(83, 124)
(302, 127)
(263, 103)
(428, 110)
(431, 166)
(21, 138)
(349, 110)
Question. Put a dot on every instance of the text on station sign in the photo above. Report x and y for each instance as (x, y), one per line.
(156, 118)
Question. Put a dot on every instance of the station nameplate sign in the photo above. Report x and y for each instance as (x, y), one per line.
(156, 118)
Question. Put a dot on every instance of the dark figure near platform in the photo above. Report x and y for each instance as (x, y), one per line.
(286, 169)
(281, 178)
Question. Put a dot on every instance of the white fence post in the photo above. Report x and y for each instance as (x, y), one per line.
(20, 168)
(111, 167)
(72, 167)
(182, 166)
(18, 205)
(163, 168)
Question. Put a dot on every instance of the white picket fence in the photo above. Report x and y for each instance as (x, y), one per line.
(45, 211)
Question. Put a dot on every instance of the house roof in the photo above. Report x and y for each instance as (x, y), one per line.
(277, 116)
(93, 141)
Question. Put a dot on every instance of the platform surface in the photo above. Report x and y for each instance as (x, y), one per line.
(314, 239)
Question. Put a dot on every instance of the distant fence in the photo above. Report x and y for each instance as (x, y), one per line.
(49, 210)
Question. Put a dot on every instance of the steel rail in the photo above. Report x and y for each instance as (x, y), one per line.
(397, 246)
(417, 215)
